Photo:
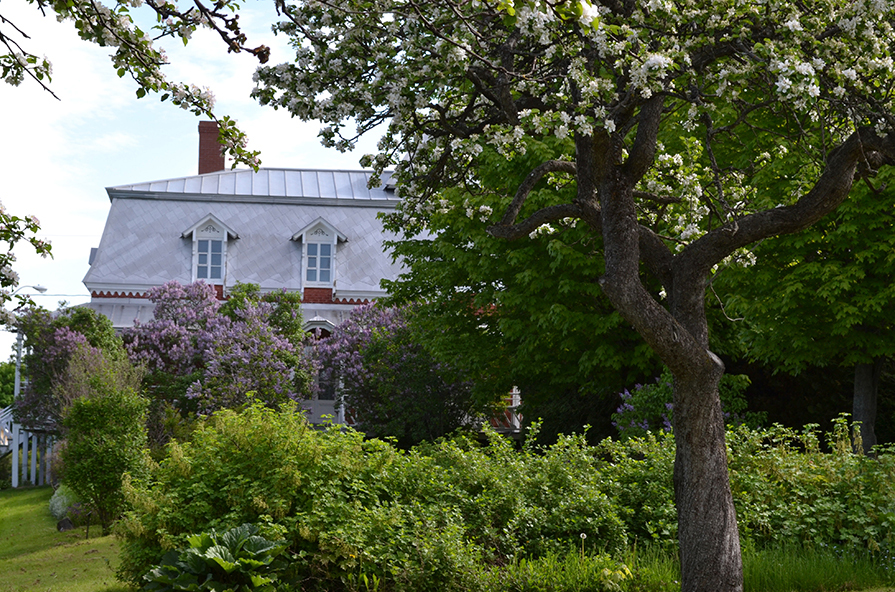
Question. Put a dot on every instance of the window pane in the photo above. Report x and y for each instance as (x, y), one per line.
(312, 248)
(203, 259)
(216, 259)
(202, 272)
(326, 250)
(312, 275)
(215, 273)
(312, 262)
(216, 246)
(324, 263)
(324, 275)
(203, 246)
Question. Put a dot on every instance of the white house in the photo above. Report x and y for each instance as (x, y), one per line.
(315, 232)
(311, 231)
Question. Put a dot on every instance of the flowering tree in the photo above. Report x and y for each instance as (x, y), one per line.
(387, 380)
(678, 122)
(135, 51)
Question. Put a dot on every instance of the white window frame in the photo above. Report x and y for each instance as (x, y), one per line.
(210, 229)
(206, 259)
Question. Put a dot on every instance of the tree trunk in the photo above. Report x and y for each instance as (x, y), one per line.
(707, 527)
(864, 404)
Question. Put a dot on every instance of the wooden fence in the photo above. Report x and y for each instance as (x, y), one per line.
(31, 451)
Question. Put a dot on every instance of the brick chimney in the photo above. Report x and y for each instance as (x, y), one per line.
(211, 158)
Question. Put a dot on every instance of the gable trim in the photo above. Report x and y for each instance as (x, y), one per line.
(321, 221)
(190, 232)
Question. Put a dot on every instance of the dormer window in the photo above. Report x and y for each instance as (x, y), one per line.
(318, 261)
(210, 240)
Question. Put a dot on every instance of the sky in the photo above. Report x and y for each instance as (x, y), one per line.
(58, 156)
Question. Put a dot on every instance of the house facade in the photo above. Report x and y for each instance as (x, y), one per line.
(315, 232)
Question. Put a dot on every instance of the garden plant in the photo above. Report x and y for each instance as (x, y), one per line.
(459, 514)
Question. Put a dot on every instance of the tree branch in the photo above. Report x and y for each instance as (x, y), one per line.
(551, 166)
(643, 151)
(830, 190)
(542, 216)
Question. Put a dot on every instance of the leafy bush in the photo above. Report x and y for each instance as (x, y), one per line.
(352, 508)
(785, 488)
(451, 514)
(105, 437)
(202, 356)
(788, 491)
(389, 382)
(238, 560)
(639, 482)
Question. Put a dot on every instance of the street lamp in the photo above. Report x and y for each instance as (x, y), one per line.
(19, 339)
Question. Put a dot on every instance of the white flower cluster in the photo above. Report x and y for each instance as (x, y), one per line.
(797, 80)
(542, 230)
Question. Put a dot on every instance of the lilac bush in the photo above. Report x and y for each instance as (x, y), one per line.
(388, 381)
(168, 344)
(247, 355)
(649, 407)
(202, 355)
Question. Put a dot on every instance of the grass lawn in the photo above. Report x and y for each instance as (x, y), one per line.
(34, 557)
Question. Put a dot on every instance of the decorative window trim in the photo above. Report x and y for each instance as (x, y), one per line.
(320, 234)
(211, 229)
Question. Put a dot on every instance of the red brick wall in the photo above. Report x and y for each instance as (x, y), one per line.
(318, 295)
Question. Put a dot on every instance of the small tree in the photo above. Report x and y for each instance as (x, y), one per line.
(389, 382)
(51, 339)
(105, 432)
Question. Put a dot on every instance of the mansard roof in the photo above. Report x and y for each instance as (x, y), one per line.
(143, 245)
(296, 186)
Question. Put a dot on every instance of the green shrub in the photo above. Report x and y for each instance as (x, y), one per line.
(105, 438)
(263, 467)
(639, 481)
(355, 511)
(447, 516)
(238, 560)
(788, 491)
(785, 488)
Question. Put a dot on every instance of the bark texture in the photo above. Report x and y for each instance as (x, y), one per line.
(864, 404)
(707, 527)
